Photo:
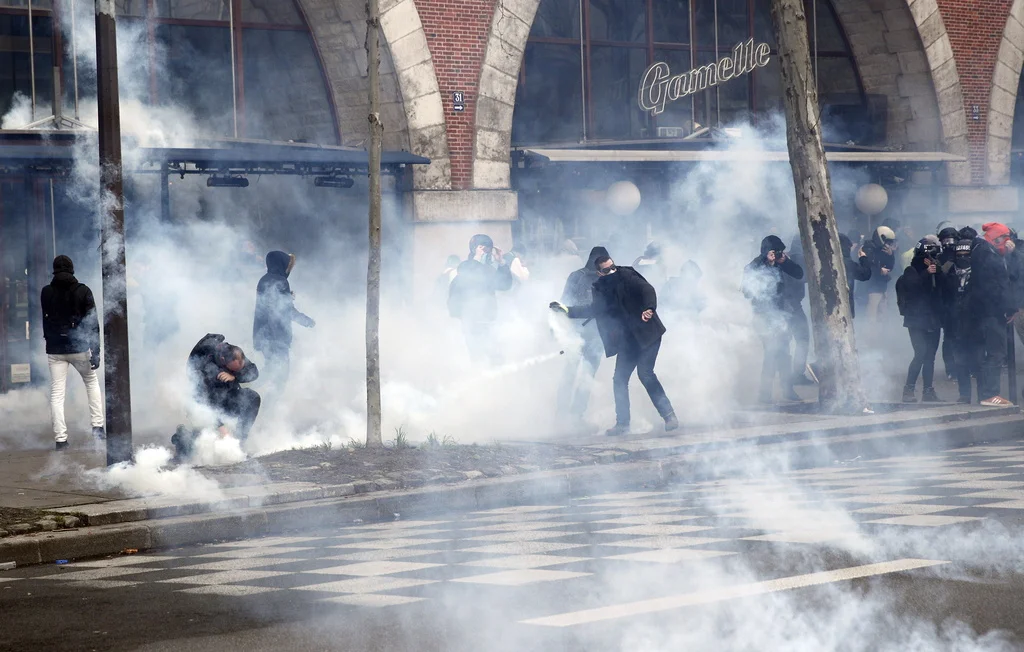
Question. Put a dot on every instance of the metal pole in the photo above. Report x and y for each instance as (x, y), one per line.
(74, 52)
(115, 299)
(53, 220)
(165, 196)
(1011, 362)
(234, 83)
(718, 88)
(583, 76)
(32, 60)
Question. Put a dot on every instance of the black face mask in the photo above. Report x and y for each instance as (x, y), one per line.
(962, 262)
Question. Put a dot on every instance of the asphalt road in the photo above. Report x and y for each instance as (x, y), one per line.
(914, 553)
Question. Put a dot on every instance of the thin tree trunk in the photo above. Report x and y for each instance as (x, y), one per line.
(840, 388)
(373, 417)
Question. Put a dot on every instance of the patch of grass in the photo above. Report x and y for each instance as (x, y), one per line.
(449, 441)
(325, 446)
(355, 443)
(435, 441)
(401, 439)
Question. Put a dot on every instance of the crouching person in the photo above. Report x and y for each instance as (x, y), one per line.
(216, 371)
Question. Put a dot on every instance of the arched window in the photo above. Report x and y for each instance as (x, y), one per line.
(179, 53)
(585, 59)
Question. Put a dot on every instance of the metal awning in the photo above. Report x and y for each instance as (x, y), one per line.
(745, 156)
(49, 153)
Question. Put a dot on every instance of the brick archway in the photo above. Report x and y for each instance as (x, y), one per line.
(499, 78)
(1003, 100)
(410, 98)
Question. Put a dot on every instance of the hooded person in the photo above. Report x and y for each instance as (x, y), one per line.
(880, 251)
(991, 306)
(71, 329)
(651, 265)
(855, 271)
(763, 286)
(272, 321)
(957, 282)
(472, 297)
(581, 367)
(625, 308)
(919, 295)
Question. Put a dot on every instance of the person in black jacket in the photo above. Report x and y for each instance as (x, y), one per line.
(957, 280)
(471, 296)
(275, 312)
(948, 238)
(625, 307)
(855, 271)
(762, 285)
(920, 295)
(880, 251)
(991, 307)
(793, 292)
(580, 369)
(71, 328)
(217, 370)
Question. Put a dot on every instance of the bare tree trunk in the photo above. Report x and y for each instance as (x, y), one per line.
(373, 417)
(840, 389)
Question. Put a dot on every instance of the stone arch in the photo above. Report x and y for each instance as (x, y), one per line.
(1003, 100)
(410, 98)
(496, 96)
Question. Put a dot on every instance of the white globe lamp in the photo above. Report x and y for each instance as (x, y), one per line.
(623, 198)
(871, 199)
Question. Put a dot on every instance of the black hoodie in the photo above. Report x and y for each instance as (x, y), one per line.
(989, 294)
(70, 322)
(923, 293)
(579, 287)
(877, 259)
(471, 296)
(855, 271)
(762, 283)
(204, 366)
(275, 305)
(620, 300)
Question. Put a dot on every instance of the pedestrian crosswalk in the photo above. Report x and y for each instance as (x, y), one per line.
(405, 562)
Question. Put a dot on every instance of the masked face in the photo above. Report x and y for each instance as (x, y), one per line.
(1003, 244)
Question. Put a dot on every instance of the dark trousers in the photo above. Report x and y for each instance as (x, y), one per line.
(800, 331)
(578, 379)
(948, 348)
(990, 334)
(926, 345)
(965, 359)
(633, 356)
(242, 404)
(277, 366)
(481, 343)
(776, 362)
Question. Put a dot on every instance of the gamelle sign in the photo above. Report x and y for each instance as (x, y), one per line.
(659, 86)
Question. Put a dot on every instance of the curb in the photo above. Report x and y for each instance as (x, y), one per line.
(545, 486)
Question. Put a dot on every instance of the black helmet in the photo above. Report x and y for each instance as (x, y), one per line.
(927, 247)
(967, 233)
(948, 236)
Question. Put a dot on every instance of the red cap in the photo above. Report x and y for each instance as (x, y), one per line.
(994, 230)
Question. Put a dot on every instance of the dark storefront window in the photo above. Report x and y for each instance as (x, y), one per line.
(594, 84)
(283, 91)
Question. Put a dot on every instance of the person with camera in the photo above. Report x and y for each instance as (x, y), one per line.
(71, 328)
(472, 296)
(625, 308)
(763, 286)
(920, 299)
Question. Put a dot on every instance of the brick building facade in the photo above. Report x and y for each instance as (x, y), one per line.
(949, 70)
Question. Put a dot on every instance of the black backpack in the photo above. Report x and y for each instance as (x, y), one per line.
(901, 294)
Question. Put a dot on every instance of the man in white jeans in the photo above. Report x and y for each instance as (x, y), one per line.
(72, 331)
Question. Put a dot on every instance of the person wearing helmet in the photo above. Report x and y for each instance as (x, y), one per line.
(855, 271)
(762, 285)
(919, 294)
(957, 285)
(991, 308)
(948, 238)
(880, 251)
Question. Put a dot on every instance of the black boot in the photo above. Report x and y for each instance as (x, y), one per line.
(909, 395)
(671, 422)
(929, 396)
(618, 430)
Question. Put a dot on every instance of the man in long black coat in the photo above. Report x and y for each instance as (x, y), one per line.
(275, 312)
(624, 305)
(574, 392)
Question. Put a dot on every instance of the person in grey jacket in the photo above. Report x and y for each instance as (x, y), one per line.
(581, 367)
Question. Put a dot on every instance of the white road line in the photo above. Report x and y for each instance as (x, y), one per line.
(728, 593)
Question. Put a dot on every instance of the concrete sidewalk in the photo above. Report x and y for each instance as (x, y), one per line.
(251, 507)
